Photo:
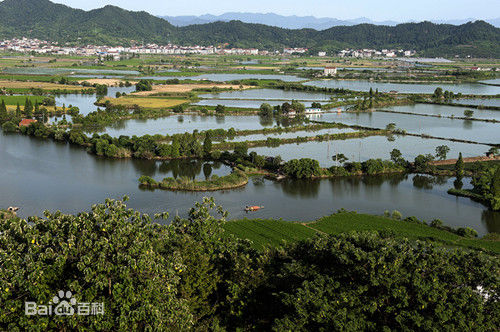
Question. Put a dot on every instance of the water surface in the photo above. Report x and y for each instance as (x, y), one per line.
(374, 147)
(476, 131)
(427, 88)
(39, 175)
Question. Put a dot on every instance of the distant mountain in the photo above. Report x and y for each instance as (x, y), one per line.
(287, 22)
(294, 22)
(115, 26)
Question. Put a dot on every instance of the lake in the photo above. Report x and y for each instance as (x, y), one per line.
(427, 88)
(476, 131)
(374, 147)
(39, 175)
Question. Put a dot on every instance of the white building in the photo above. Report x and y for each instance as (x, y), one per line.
(321, 54)
(330, 71)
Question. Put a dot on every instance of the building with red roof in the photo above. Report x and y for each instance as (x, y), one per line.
(26, 122)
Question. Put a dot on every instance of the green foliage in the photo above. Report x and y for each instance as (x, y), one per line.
(486, 184)
(459, 166)
(421, 163)
(111, 26)
(192, 274)
(144, 85)
(266, 110)
(302, 168)
(468, 113)
(9, 127)
(442, 151)
(220, 109)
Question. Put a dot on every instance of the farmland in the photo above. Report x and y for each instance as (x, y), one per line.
(275, 232)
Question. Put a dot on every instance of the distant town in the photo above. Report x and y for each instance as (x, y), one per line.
(27, 45)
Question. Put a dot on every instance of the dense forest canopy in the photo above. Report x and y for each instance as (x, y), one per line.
(112, 25)
(191, 274)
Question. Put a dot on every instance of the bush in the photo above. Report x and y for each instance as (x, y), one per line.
(396, 215)
(9, 127)
(146, 180)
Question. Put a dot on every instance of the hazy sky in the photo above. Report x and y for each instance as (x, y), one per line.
(398, 10)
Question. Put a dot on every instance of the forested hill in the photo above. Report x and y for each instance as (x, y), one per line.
(112, 25)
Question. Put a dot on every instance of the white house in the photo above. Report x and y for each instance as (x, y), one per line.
(330, 71)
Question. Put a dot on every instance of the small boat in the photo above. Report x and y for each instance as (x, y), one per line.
(253, 208)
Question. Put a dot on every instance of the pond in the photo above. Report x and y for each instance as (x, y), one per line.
(444, 110)
(244, 103)
(476, 131)
(479, 101)
(283, 135)
(178, 124)
(268, 94)
(374, 147)
(39, 175)
(359, 85)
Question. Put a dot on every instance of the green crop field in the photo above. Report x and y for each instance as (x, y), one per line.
(269, 232)
(274, 232)
(13, 100)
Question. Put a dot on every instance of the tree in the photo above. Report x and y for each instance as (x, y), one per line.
(18, 110)
(438, 93)
(340, 158)
(421, 163)
(207, 145)
(298, 107)
(493, 151)
(302, 168)
(266, 110)
(220, 109)
(175, 152)
(390, 127)
(28, 108)
(397, 156)
(442, 151)
(468, 113)
(144, 85)
(241, 150)
(459, 166)
(3, 112)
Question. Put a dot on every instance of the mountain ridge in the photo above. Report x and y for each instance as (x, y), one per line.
(298, 22)
(113, 25)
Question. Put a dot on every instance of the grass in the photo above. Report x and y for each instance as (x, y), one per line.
(274, 232)
(149, 102)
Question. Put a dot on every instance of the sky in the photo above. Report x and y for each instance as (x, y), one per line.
(397, 10)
